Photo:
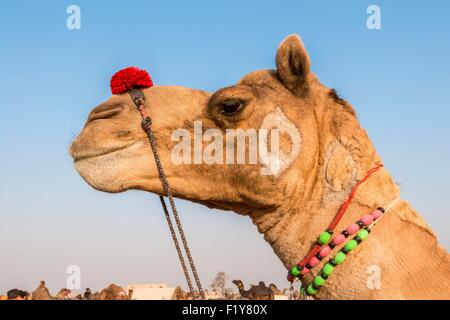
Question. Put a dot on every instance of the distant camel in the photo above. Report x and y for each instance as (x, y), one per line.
(259, 292)
(63, 293)
(96, 296)
(113, 292)
(42, 293)
(275, 290)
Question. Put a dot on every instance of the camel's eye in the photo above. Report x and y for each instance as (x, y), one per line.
(231, 107)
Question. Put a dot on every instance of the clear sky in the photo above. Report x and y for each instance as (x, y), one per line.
(397, 78)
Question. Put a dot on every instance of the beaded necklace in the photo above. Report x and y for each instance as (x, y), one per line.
(323, 246)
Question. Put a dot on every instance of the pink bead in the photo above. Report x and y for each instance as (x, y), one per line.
(325, 251)
(376, 214)
(367, 219)
(314, 262)
(337, 240)
(304, 271)
(353, 228)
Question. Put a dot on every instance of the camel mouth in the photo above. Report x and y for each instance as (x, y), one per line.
(79, 156)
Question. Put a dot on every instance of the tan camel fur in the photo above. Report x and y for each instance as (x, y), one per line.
(113, 292)
(112, 154)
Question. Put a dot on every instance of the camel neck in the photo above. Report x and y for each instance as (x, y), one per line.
(295, 230)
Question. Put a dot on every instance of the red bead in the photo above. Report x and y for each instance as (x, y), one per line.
(367, 219)
(325, 251)
(314, 262)
(304, 271)
(376, 214)
(338, 239)
(353, 228)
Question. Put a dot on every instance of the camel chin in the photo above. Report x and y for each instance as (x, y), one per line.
(113, 172)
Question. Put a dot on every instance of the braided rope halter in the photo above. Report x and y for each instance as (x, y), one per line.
(131, 80)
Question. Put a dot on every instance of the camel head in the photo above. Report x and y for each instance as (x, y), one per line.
(64, 292)
(238, 283)
(278, 146)
(200, 137)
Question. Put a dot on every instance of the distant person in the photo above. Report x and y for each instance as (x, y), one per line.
(16, 294)
(87, 294)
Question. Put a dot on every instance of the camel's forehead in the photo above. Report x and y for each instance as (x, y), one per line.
(260, 78)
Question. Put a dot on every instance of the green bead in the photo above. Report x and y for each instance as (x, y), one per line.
(327, 269)
(319, 281)
(363, 234)
(324, 237)
(295, 271)
(349, 246)
(311, 290)
(339, 258)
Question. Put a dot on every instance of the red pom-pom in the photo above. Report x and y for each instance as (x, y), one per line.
(129, 78)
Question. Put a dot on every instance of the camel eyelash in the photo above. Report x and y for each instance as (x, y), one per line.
(231, 107)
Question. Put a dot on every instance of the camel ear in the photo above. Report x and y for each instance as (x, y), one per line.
(293, 64)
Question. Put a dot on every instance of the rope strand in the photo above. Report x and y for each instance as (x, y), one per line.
(138, 99)
(168, 193)
(177, 245)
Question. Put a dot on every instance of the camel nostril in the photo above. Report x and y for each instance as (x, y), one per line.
(104, 112)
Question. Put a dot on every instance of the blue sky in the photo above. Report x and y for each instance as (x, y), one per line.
(397, 78)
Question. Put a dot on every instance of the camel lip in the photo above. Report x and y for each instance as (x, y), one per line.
(78, 157)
